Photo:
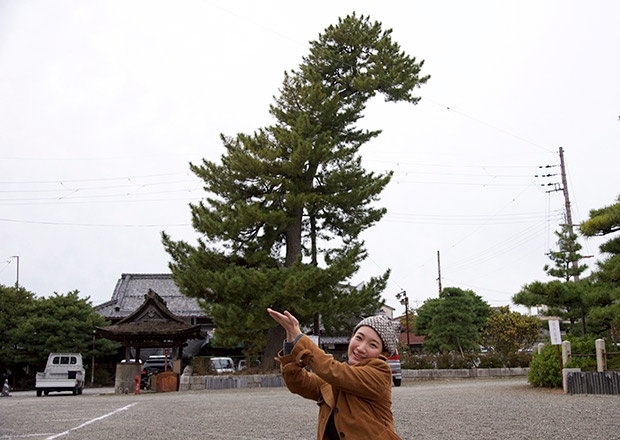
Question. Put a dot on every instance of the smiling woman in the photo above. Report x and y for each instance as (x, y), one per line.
(354, 398)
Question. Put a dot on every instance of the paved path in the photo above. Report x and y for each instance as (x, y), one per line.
(459, 409)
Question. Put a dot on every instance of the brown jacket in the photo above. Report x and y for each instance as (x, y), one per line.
(360, 396)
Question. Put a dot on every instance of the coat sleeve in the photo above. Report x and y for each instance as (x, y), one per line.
(369, 380)
(297, 379)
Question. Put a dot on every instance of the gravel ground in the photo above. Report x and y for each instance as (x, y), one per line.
(456, 409)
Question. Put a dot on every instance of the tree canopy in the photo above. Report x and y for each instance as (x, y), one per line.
(286, 205)
(507, 332)
(453, 321)
(31, 328)
(605, 291)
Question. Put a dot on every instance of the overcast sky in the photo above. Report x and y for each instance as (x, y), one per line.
(104, 103)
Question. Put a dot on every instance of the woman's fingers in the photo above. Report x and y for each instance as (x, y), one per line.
(279, 317)
(286, 320)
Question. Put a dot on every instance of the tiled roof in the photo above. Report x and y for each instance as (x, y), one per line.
(131, 289)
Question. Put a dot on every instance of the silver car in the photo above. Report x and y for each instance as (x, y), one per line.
(397, 375)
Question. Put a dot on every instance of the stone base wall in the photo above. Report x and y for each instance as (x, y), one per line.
(194, 383)
(477, 373)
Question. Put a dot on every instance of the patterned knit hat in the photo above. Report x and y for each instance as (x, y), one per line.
(384, 328)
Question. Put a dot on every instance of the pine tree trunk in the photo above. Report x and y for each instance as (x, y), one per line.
(275, 338)
(293, 238)
(276, 335)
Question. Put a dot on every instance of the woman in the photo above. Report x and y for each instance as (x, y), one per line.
(354, 398)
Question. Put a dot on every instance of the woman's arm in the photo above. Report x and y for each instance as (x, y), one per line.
(371, 380)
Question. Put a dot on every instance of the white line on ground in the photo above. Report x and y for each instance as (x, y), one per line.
(91, 421)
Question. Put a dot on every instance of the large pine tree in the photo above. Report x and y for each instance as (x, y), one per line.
(287, 203)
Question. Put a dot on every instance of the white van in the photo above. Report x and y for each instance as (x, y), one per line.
(223, 365)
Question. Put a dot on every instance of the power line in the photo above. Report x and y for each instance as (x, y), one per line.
(490, 125)
(95, 224)
(61, 181)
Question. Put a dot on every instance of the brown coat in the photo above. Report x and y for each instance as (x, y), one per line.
(360, 396)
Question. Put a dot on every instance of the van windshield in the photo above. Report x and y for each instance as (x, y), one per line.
(222, 363)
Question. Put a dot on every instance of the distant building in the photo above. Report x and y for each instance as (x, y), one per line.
(129, 294)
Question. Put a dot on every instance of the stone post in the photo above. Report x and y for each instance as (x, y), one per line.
(566, 352)
(601, 355)
(540, 347)
(125, 380)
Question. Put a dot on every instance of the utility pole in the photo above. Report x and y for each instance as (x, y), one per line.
(569, 216)
(402, 296)
(439, 272)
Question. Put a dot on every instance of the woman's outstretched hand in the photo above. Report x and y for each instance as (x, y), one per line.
(288, 322)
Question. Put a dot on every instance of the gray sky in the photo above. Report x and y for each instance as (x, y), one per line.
(104, 103)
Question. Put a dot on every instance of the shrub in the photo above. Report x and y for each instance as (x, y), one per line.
(417, 361)
(103, 377)
(545, 368)
(521, 359)
(490, 359)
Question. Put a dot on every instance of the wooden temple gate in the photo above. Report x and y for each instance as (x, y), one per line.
(152, 325)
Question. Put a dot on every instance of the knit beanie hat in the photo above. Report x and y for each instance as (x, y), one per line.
(384, 328)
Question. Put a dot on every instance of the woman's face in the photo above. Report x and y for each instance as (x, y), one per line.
(365, 344)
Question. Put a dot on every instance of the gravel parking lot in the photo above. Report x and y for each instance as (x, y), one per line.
(457, 409)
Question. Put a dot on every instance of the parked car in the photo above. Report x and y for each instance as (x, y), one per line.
(223, 365)
(397, 375)
(157, 364)
(63, 372)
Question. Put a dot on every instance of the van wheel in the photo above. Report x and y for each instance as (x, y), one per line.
(397, 382)
(39, 392)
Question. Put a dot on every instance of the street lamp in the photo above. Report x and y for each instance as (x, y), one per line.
(402, 296)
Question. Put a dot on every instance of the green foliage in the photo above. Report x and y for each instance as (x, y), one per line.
(602, 221)
(287, 204)
(605, 298)
(60, 323)
(453, 321)
(567, 258)
(15, 307)
(507, 331)
(586, 345)
(568, 300)
(492, 359)
(545, 368)
(412, 361)
(412, 320)
(467, 360)
(103, 377)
